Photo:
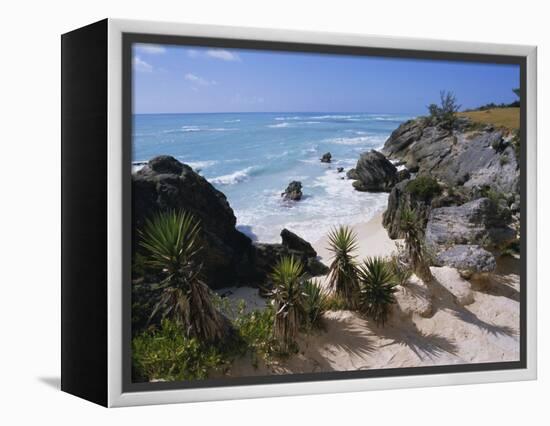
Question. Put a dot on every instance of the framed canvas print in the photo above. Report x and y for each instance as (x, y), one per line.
(251, 213)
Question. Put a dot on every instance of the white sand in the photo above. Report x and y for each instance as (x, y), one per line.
(450, 321)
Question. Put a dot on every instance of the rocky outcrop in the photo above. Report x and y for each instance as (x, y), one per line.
(401, 198)
(293, 191)
(229, 256)
(293, 242)
(468, 259)
(326, 158)
(339, 169)
(166, 184)
(373, 172)
(477, 222)
(267, 255)
(462, 156)
(477, 171)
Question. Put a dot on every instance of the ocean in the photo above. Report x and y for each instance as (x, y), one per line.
(251, 158)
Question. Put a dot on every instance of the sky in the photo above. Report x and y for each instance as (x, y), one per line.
(186, 79)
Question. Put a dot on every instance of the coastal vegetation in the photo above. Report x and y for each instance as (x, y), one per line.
(288, 299)
(343, 269)
(378, 285)
(172, 241)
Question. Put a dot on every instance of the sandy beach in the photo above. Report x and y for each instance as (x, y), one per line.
(453, 321)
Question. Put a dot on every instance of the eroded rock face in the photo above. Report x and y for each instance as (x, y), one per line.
(468, 259)
(477, 222)
(293, 191)
(373, 172)
(459, 157)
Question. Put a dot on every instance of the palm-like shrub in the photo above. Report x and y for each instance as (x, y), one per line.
(315, 303)
(172, 242)
(343, 269)
(414, 244)
(400, 270)
(377, 289)
(288, 298)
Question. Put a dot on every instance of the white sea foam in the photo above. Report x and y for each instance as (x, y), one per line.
(199, 165)
(232, 121)
(235, 177)
(284, 124)
(328, 201)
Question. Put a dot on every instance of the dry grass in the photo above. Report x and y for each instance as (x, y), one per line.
(499, 117)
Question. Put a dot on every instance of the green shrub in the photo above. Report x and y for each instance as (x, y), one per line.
(173, 247)
(401, 271)
(288, 298)
(335, 302)
(166, 354)
(377, 289)
(256, 333)
(315, 303)
(343, 269)
(424, 187)
(417, 254)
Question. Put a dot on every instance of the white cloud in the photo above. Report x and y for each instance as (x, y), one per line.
(192, 53)
(199, 81)
(142, 66)
(224, 55)
(152, 49)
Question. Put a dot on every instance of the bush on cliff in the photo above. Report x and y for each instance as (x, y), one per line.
(424, 187)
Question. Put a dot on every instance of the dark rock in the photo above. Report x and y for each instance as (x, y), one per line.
(294, 242)
(267, 256)
(352, 174)
(293, 191)
(477, 222)
(403, 174)
(166, 184)
(326, 158)
(374, 172)
(468, 259)
(339, 169)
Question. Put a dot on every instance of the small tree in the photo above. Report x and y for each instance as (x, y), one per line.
(444, 114)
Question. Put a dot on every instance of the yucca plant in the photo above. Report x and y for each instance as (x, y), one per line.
(414, 244)
(172, 242)
(343, 269)
(401, 270)
(315, 303)
(377, 289)
(288, 298)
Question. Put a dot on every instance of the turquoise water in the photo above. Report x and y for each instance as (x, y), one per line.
(252, 157)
